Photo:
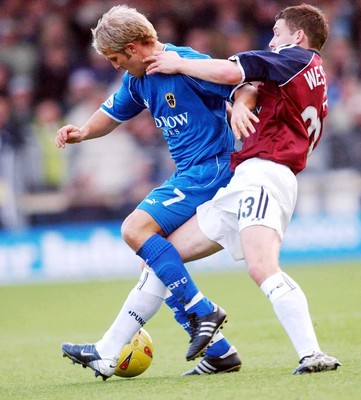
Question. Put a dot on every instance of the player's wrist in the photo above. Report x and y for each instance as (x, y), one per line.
(184, 66)
(84, 134)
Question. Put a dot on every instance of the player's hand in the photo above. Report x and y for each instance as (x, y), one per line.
(166, 62)
(68, 134)
(242, 120)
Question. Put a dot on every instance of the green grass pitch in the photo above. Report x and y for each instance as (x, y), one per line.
(36, 319)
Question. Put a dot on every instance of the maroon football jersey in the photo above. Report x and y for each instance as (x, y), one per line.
(291, 106)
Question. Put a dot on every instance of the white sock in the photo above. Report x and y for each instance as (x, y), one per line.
(290, 305)
(141, 304)
(149, 282)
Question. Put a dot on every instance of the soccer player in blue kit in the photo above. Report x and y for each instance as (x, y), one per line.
(192, 116)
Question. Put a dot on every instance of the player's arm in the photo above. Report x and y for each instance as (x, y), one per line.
(99, 124)
(216, 71)
(242, 118)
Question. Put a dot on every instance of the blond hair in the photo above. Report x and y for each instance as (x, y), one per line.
(119, 26)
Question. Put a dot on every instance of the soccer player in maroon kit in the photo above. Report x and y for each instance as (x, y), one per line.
(249, 217)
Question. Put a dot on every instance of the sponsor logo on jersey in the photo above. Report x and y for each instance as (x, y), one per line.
(170, 100)
(171, 121)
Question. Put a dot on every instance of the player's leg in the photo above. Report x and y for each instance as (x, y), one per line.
(239, 207)
(205, 317)
(192, 244)
(262, 223)
(147, 296)
(220, 356)
(160, 254)
(171, 205)
(137, 309)
(143, 302)
(261, 246)
(141, 223)
(145, 299)
(273, 203)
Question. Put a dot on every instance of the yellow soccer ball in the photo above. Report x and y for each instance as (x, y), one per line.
(135, 356)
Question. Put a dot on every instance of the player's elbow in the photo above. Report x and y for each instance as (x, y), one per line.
(231, 75)
(234, 80)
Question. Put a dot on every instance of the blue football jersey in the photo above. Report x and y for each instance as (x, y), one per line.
(190, 112)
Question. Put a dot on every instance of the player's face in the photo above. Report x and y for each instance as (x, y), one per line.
(131, 62)
(282, 35)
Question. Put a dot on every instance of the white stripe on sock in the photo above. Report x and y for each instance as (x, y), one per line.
(198, 297)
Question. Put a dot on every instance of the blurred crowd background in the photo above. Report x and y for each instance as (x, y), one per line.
(50, 75)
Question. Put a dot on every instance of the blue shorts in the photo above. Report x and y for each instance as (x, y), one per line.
(173, 203)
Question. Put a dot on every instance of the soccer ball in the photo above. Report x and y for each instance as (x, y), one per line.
(135, 356)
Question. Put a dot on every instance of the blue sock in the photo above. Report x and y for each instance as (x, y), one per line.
(202, 308)
(166, 263)
(218, 349)
(179, 312)
(214, 350)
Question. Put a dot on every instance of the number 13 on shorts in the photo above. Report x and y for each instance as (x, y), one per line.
(253, 205)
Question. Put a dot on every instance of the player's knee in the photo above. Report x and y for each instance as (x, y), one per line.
(136, 230)
(257, 272)
(129, 232)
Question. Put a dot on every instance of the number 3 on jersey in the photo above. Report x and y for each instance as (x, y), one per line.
(254, 207)
(310, 114)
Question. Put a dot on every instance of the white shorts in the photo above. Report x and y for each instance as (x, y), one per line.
(261, 192)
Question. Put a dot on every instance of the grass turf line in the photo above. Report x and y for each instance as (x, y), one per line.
(36, 319)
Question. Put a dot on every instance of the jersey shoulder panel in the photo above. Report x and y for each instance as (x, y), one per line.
(198, 84)
(185, 51)
(278, 66)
